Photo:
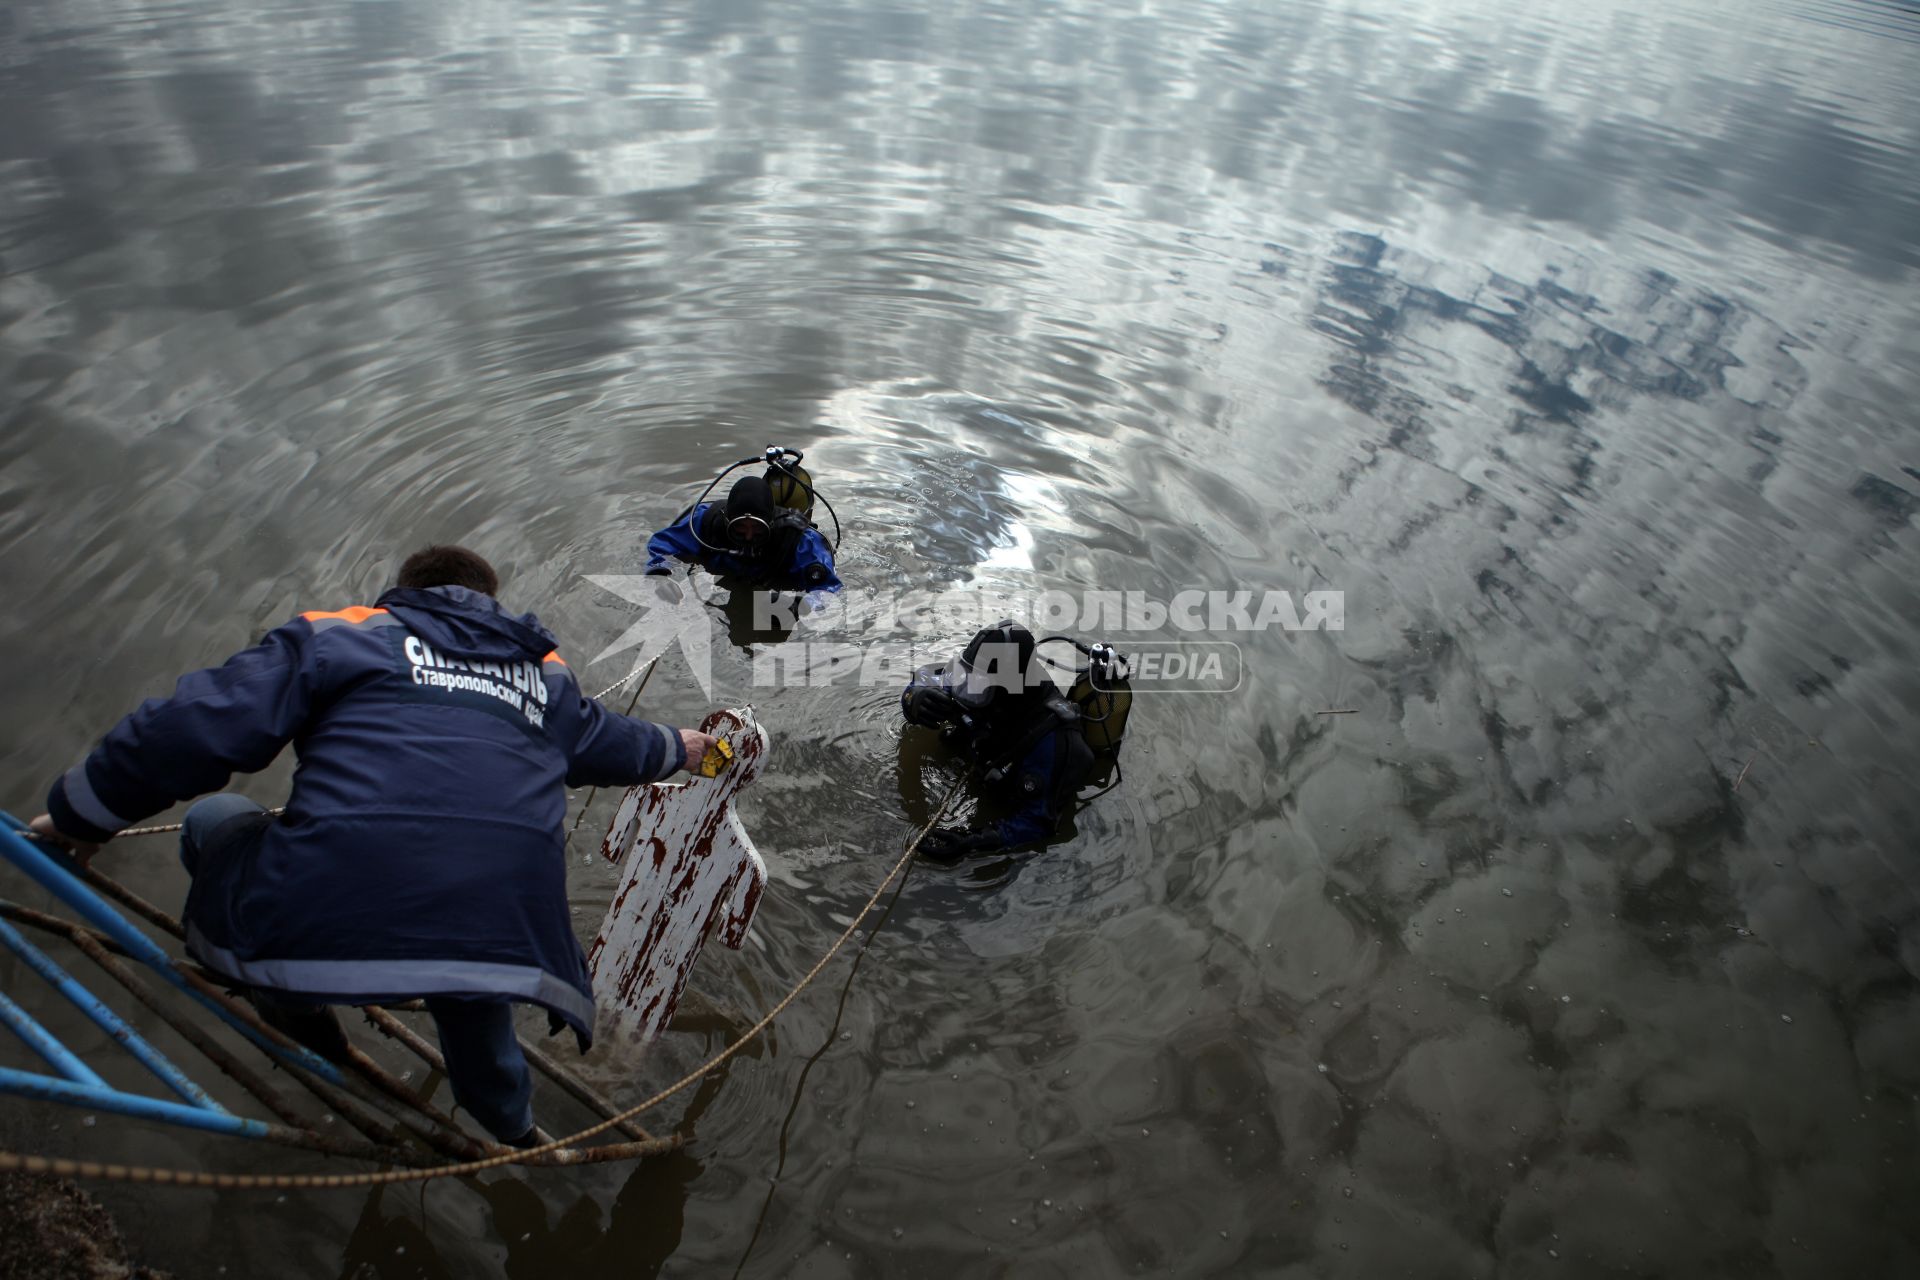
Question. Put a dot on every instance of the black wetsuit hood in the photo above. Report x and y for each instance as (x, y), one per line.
(753, 496)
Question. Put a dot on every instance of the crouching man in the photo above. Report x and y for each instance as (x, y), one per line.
(420, 854)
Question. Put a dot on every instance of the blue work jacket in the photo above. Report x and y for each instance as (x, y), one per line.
(421, 849)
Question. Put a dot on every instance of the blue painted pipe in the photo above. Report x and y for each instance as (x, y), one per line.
(55, 878)
(105, 1098)
(45, 1043)
(106, 1019)
(51, 874)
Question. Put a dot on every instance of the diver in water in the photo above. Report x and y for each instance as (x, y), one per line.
(1034, 746)
(763, 533)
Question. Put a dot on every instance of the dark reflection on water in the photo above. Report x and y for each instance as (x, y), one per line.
(1574, 344)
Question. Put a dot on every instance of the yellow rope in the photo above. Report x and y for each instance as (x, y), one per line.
(646, 670)
(176, 826)
(64, 1168)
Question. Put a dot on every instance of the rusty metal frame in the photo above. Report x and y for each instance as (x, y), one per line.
(397, 1124)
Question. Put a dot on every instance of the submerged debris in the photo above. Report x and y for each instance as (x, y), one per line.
(52, 1230)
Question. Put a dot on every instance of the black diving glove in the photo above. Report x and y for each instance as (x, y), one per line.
(947, 844)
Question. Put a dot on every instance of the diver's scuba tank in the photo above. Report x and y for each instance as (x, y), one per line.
(1104, 698)
(792, 488)
(792, 484)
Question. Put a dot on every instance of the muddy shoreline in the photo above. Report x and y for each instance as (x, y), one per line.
(51, 1229)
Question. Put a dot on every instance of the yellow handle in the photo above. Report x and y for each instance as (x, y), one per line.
(718, 757)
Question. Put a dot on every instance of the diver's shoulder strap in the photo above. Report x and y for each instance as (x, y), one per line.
(1060, 714)
(786, 530)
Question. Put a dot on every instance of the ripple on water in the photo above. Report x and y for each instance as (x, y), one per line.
(1575, 348)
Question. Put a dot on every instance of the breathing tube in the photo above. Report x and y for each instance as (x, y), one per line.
(786, 477)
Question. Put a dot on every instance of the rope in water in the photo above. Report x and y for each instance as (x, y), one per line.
(65, 1168)
(637, 671)
(632, 702)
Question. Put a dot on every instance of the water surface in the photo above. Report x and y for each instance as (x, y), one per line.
(1574, 343)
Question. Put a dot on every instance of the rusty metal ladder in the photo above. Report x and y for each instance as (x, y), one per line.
(396, 1124)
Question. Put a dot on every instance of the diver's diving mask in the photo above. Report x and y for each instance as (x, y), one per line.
(748, 530)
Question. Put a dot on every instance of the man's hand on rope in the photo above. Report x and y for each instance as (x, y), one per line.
(82, 850)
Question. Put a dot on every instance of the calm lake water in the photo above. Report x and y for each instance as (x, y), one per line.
(1574, 343)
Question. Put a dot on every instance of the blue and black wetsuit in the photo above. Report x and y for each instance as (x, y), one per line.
(1036, 760)
(788, 553)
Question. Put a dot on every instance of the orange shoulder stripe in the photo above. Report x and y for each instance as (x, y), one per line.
(554, 656)
(354, 613)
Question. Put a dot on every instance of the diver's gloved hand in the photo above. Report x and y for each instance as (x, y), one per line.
(946, 844)
(660, 572)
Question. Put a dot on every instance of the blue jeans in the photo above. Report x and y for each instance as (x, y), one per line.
(485, 1066)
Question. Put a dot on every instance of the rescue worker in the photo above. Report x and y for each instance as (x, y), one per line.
(1000, 711)
(420, 854)
(751, 538)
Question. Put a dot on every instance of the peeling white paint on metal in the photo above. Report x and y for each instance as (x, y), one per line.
(695, 868)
